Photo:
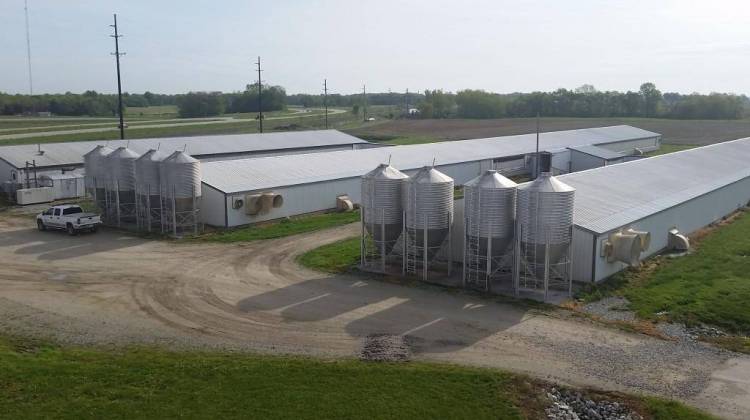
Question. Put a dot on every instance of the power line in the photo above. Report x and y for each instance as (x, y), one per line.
(325, 99)
(117, 55)
(28, 45)
(260, 94)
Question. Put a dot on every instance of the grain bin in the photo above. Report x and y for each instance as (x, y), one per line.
(96, 171)
(489, 221)
(545, 222)
(428, 209)
(180, 179)
(382, 204)
(121, 185)
(147, 186)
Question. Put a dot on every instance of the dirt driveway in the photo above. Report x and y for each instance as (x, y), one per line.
(114, 289)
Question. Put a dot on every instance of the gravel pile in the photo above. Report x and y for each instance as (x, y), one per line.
(691, 334)
(611, 309)
(567, 405)
(385, 348)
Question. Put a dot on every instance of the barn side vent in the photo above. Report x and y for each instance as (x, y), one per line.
(253, 204)
(269, 201)
(625, 246)
(677, 241)
(344, 203)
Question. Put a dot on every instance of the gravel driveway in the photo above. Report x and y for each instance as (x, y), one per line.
(114, 289)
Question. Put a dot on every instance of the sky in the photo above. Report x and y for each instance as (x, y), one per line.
(175, 46)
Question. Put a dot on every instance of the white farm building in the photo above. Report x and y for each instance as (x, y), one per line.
(25, 165)
(313, 182)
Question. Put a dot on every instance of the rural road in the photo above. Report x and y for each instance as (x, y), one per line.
(177, 123)
(114, 289)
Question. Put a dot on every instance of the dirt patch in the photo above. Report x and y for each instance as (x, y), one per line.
(385, 348)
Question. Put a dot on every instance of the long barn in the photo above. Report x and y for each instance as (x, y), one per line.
(311, 183)
(25, 165)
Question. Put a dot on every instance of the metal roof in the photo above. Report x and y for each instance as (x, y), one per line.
(272, 172)
(597, 151)
(614, 196)
(71, 153)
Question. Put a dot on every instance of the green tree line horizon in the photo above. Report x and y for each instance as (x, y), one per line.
(584, 101)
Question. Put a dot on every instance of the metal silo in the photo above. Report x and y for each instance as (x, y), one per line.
(147, 187)
(96, 170)
(545, 223)
(382, 214)
(180, 178)
(428, 218)
(489, 227)
(121, 185)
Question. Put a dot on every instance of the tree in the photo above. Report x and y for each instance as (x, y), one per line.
(586, 89)
(651, 99)
(200, 104)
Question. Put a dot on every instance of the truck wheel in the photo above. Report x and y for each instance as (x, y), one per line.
(71, 230)
(40, 225)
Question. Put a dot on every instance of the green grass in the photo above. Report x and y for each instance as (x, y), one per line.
(669, 148)
(285, 227)
(337, 121)
(665, 410)
(151, 111)
(52, 382)
(710, 285)
(337, 257)
(40, 380)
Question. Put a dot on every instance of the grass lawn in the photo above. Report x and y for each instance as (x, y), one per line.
(47, 381)
(285, 227)
(710, 285)
(333, 258)
(336, 121)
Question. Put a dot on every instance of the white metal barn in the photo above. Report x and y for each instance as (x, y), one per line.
(22, 164)
(687, 190)
(310, 183)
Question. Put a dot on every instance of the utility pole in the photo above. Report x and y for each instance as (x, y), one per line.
(325, 99)
(28, 45)
(407, 103)
(260, 99)
(117, 55)
(364, 102)
(538, 163)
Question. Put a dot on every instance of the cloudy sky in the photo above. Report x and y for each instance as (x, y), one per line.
(503, 46)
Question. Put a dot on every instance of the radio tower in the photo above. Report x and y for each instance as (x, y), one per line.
(28, 45)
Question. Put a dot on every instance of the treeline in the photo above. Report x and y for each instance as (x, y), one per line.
(89, 103)
(338, 100)
(207, 104)
(584, 101)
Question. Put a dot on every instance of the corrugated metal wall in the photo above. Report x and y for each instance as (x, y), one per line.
(582, 255)
(628, 147)
(212, 206)
(687, 217)
(580, 161)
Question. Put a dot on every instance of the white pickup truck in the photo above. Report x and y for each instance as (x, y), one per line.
(68, 217)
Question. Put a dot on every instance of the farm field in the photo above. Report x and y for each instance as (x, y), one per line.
(151, 111)
(140, 128)
(690, 132)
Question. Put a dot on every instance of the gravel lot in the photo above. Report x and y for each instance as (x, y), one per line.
(112, 289)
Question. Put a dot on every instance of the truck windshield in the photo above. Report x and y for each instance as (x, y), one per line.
(72, 210)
